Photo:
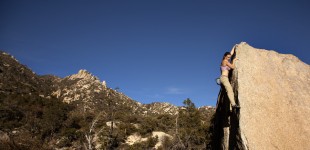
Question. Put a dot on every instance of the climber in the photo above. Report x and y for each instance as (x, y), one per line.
(225, 67)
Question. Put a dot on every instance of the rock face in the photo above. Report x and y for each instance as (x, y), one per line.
(158, 108)
(273, 91)
(81, 86)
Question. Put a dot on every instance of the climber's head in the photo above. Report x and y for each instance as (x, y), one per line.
(227, 56)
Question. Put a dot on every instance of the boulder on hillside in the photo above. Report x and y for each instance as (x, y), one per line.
(273, 91)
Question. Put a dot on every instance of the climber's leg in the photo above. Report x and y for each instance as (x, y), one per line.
(229, 90)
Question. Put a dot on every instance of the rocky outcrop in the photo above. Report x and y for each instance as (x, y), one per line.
(81, 86)
(136, 138)
(161, 108)
(273, 92)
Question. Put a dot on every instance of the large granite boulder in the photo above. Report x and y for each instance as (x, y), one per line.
(273, 91)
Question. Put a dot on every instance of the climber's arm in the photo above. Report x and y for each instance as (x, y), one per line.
(233, 50)
(230, 65)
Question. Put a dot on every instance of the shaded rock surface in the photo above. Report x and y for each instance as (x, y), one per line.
(273, 91)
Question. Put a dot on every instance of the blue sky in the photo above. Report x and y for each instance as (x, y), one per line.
(163, 51)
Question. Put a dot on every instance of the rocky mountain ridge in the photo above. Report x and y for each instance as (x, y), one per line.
(81, 112)
(81, 87)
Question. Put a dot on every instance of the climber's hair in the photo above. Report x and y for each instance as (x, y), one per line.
(227, 53)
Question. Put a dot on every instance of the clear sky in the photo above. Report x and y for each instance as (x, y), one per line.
(153, 50)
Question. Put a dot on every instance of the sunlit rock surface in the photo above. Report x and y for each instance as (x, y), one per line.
(273, 91)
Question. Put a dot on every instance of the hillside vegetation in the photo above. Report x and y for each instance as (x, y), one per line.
(80, 112)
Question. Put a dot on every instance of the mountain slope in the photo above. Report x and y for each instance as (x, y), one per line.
(79, 110)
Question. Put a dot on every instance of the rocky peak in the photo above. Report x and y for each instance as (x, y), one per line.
(83, 74)
(273, 92)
